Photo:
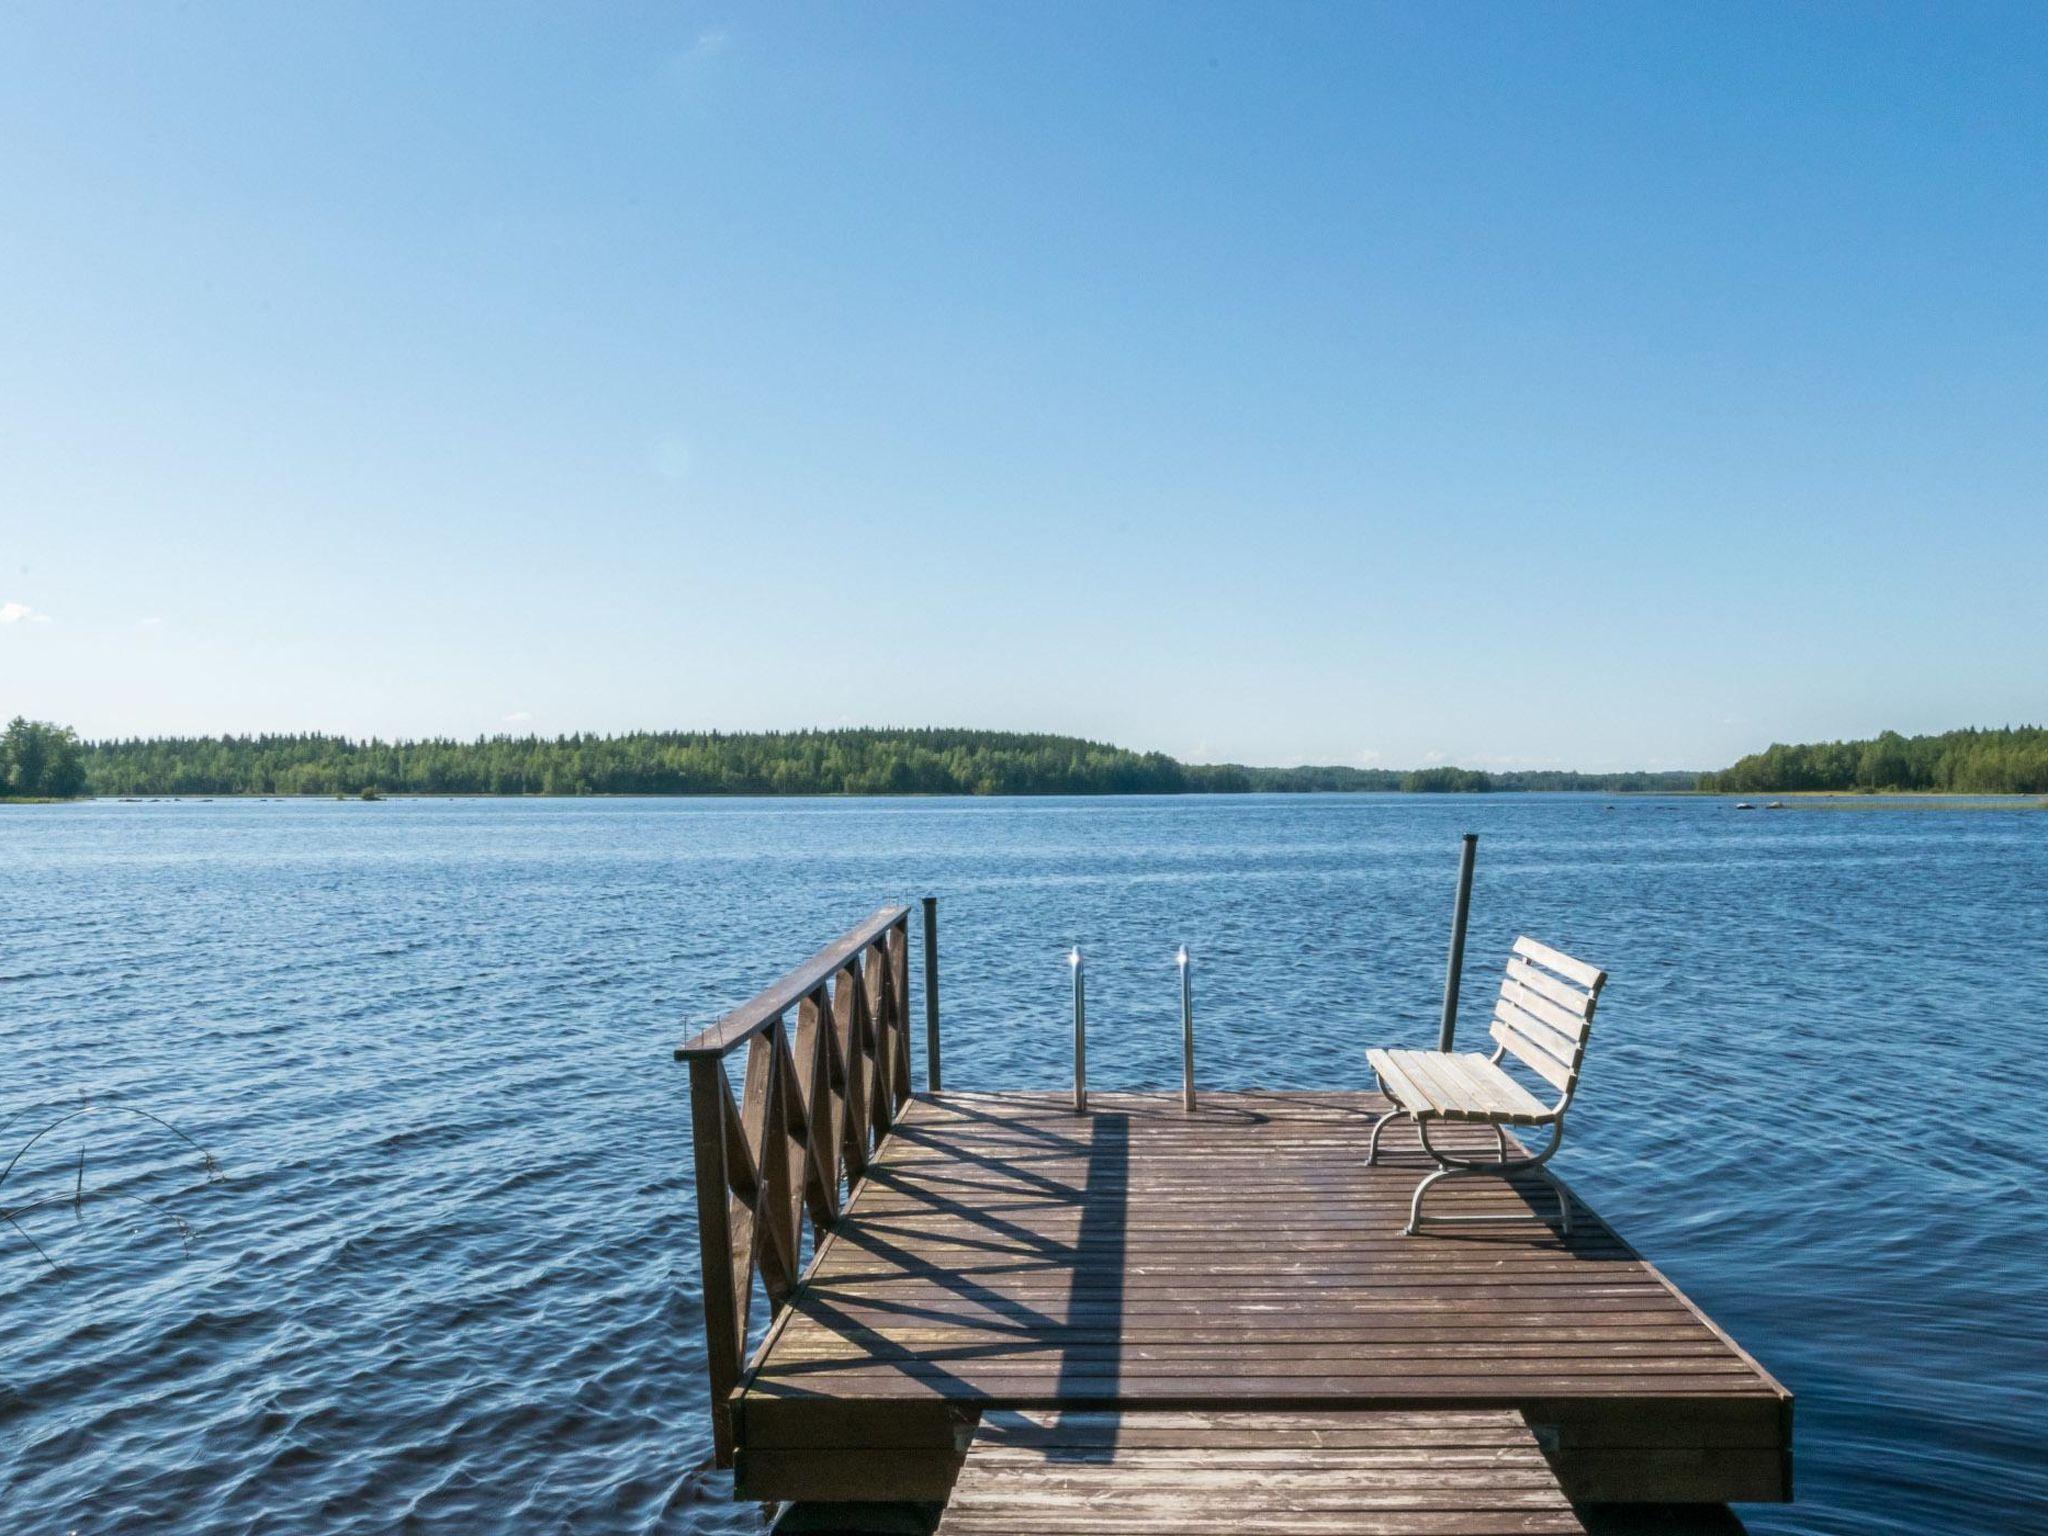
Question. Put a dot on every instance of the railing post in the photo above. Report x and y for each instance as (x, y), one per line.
(725, 1312)
(1449, 1029)
(931, 994)
(847, 1014)
(1080, 1034)
(899, 987)
(1187, 1031)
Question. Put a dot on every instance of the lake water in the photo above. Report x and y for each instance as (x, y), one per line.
(447, 1282)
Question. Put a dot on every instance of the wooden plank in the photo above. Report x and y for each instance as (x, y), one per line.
(882, 1039)
(743, 1183)
(1395, 1382)
(1239, 1257)
(1693, 1474)
(724, 1311)
(776, 999)
(1530, 1054)
(1492, 1091)
(1588, 976)
(821, 1143)
(763, 1155)
(848, 1024)
(1458, 1087)
(1362, 1355)
(881, 1328)
(1446, 1088)
(1681, 1474)
(836, 1475)
(898, 973)
(1575, 999)
(1028, 1471)
(1567, 1052)
(1407, 1091)
(1570, 1025)
(1608, 1421)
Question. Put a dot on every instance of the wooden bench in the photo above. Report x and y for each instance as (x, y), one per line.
(1542, 1018)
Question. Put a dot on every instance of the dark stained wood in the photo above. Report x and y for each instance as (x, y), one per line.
(806, 1120)
(849, 1015)
(898, 943)
(724, 1311)
(1354, 1473)
(815, 1047)
(774, 1000)
(768, 1129)
(932, 1075)
(1004, 1253)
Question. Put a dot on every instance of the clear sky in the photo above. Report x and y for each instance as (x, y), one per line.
(1512, 385)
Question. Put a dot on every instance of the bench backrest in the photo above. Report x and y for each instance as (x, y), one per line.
(1545, 1012)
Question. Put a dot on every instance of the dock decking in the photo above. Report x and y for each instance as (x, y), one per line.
(1157, 1472)
(1004, 1252)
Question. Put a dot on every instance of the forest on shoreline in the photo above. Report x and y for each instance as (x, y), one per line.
(2012, 760)
(42, 761)
(840, 762)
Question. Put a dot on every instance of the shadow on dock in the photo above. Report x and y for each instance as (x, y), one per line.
(1099, 1252)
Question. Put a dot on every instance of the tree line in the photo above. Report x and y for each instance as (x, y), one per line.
(2009, 761)
(40, 761)
(840, 762)
(846, 762)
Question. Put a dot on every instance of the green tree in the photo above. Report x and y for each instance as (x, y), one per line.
(2010, 760)
(39, 760)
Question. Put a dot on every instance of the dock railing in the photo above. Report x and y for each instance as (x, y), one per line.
(808, 1121)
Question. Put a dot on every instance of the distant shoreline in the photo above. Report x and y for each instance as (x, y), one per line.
(1810, 802)
(1812, 799)
(50, 761)
(864, 761)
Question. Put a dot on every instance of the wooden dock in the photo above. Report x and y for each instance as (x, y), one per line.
(998, 1253)
(1469, 1472)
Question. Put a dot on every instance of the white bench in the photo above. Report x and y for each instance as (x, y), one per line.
(1542, 1018)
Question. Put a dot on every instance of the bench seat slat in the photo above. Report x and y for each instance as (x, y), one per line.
(1404, 1090)
(1430, 1069)
(1493, 1090)
(1440, 1086)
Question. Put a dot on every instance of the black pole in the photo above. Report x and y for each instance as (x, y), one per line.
(931, 994)
(1458, 916)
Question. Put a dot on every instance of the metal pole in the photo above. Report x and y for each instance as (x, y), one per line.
(931, 994)
(1080, 1035)
(1458, 916)
(1187, 1031)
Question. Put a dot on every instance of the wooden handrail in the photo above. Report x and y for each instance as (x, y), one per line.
(809, 1121)
(775, 999)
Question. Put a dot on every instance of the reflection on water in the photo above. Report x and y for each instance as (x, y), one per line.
(449, 1280)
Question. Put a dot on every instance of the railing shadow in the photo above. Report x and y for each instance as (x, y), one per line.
(1099, 1258)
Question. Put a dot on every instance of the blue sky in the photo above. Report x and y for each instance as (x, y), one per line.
(1512, 385)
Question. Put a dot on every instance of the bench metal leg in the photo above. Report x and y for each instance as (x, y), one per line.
(1451, 1166)
(1372, 1151)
